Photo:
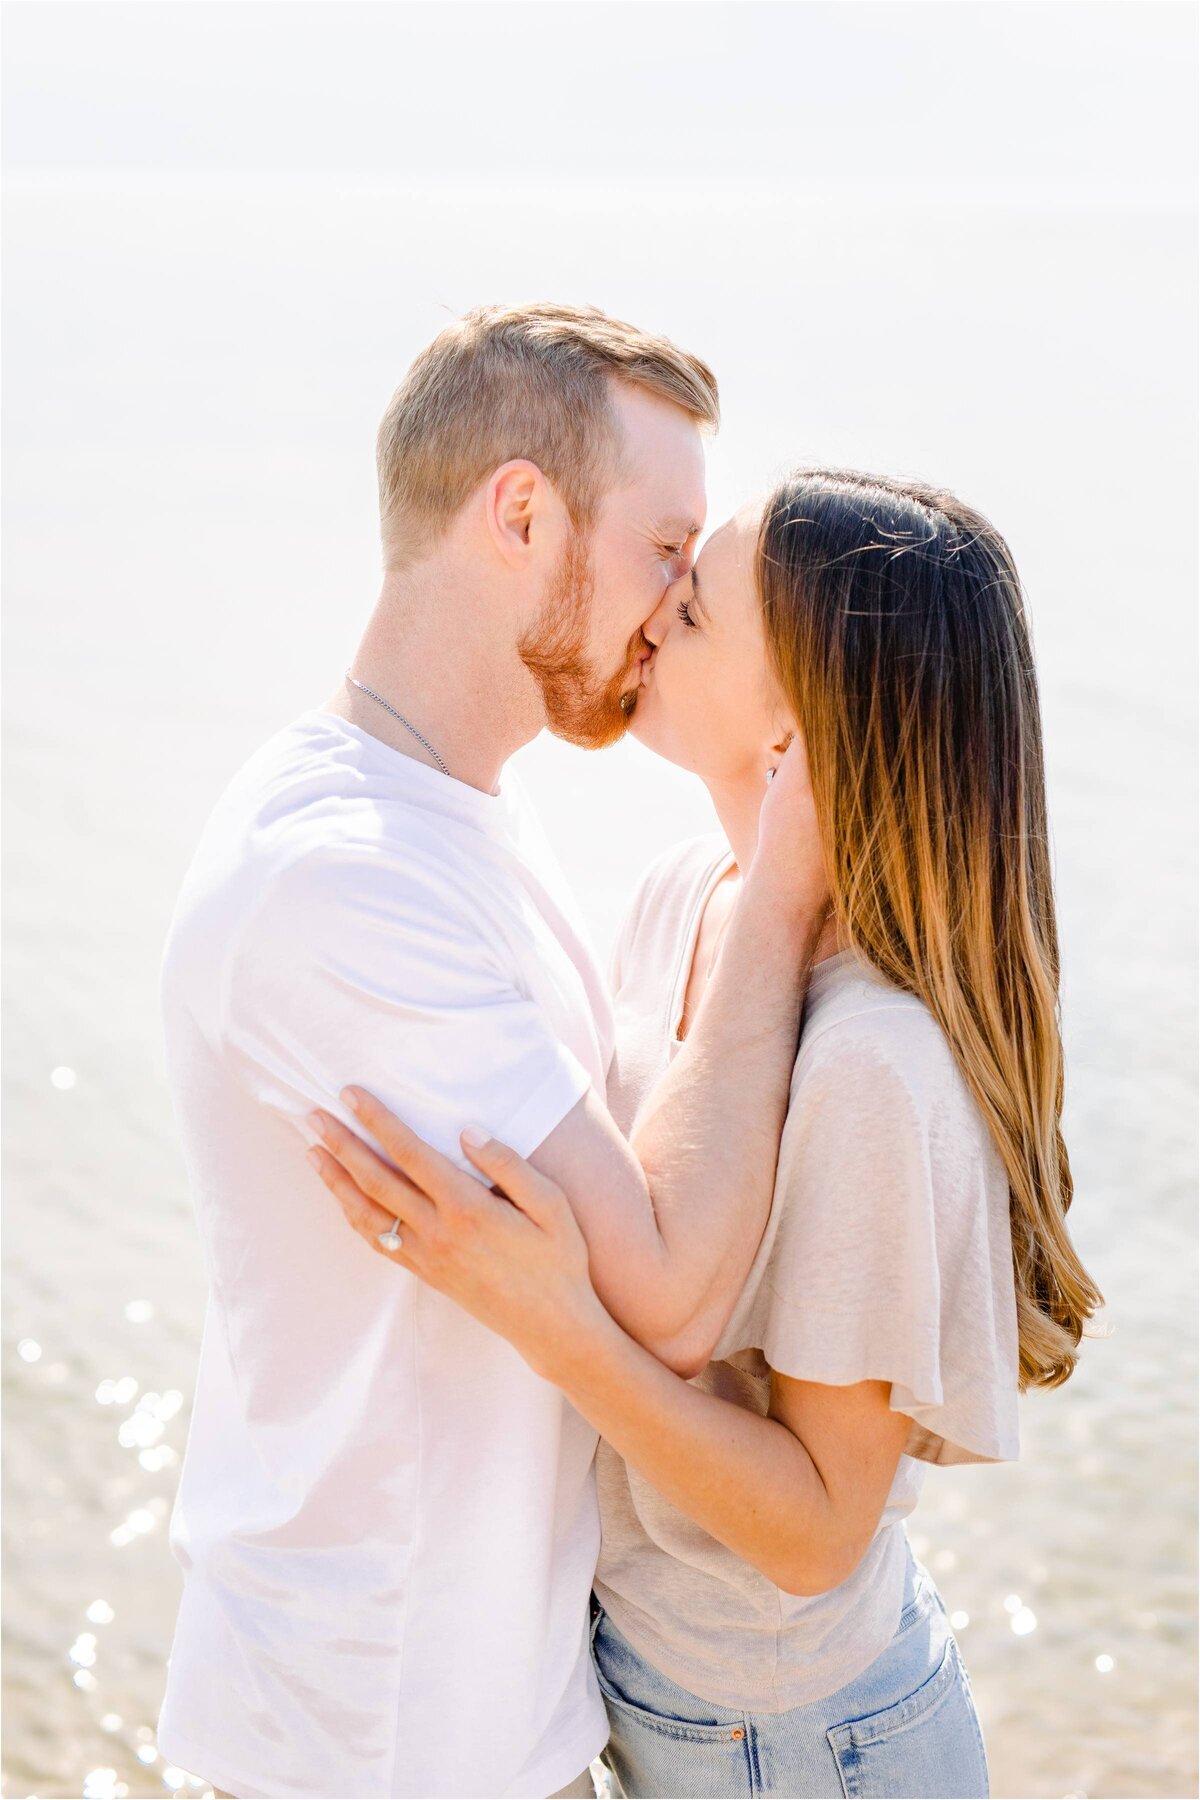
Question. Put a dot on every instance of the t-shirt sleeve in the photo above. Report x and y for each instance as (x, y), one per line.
(386, 985)
(891, 1258)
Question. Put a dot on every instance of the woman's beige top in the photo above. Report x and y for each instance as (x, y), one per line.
(887, 1256)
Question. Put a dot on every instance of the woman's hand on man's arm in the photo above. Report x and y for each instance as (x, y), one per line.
(512, 1253)
(519, 1266)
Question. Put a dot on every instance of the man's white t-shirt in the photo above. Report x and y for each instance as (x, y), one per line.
(387, 1523)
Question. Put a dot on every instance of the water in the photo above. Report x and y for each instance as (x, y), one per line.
(194, 377)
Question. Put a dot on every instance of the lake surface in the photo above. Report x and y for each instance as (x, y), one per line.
(194, 376)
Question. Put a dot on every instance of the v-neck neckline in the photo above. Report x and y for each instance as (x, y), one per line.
(691, 938)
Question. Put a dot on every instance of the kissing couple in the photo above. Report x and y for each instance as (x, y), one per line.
(576, 1348)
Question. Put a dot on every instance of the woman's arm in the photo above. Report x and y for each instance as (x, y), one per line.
(797, 1494)
(704, 1146)
(705, 1143)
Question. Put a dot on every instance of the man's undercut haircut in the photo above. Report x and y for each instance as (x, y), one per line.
(522, 381)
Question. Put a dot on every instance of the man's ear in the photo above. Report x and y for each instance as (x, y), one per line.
(516, 494)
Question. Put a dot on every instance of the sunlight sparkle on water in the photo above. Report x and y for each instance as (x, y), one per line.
(154, 1460)
(1024, 1621)
(63, 1078)
(138, 1311)
(101, 1613)
(960, 1620)
(116, 1393)
(136, 1524)
(102, 1784)
(29, 1350)
(140, 1430)
(1105, 1664)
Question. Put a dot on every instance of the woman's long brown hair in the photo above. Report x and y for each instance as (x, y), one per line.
(897, 627)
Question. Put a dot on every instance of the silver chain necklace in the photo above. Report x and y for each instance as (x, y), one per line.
(388, 707)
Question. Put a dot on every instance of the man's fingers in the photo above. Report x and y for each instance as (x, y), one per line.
(534, 1194)
(372, 1175)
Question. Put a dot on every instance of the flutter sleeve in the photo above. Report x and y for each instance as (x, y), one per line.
(888, 1254)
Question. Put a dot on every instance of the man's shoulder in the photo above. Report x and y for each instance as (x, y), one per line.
(308, 819)
(289, 880)
(346, 876)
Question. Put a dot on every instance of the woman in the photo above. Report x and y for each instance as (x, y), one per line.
(915, 1271)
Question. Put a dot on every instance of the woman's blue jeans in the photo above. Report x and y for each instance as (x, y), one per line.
(905, 1726)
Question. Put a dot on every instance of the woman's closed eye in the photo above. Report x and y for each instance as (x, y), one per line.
(684, 608)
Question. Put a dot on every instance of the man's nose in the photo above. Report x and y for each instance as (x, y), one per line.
(659, 623)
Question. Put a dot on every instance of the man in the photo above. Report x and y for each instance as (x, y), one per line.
(386, 1521)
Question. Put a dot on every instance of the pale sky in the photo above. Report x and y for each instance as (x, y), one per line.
(991, 94)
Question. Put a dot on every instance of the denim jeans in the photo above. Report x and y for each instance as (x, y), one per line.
(905, 1726)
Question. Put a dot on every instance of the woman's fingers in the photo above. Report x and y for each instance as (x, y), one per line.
(390, 1189)
(369, 1219)
(534, 1194)
(432, 1172)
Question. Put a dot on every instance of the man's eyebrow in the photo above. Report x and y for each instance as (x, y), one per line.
(679, 527)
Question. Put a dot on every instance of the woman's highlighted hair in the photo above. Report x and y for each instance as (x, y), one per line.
(897, 626)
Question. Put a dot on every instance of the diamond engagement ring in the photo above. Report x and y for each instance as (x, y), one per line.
(391, 1239)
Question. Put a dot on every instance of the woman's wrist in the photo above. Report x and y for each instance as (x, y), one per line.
(587, 1333)
(578, 1361)
(783, 914)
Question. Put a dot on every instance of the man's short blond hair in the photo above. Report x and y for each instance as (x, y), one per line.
(519, 381)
